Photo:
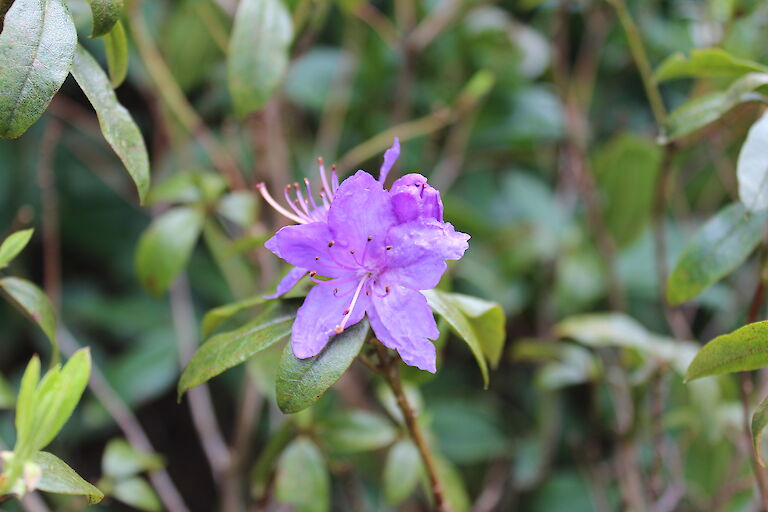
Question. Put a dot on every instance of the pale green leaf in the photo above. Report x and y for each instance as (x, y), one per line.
(302, 478)
(137, 493)
(708, 62)
(106, 13)
(116, 123)
(742, 350)
(13, 245)
(57, 477)
(759, 422)
(116, 46)
(356, 431)
(31, 300)
(401, 472)
(121, 460)
(36, 49)
(752, 167)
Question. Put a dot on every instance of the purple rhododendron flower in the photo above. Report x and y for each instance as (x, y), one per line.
(370, 251)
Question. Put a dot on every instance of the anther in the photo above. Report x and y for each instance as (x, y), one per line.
(319, 160)
(335, 291)
(386, 288)
(330, 244)
(312, 274)
(333, 167)
(317, 258)
(351, 251)
(370, 238)
(389, 247)
(346, 312)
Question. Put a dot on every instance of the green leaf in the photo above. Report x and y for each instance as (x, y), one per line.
(25, 406)
(356, 431)
(121, 460)
(742, 350)
(7, 397)
(137, 493)
(116, 123)
(106, 14)
(453, 486)
(57, 477)
(229, 349)
(116, 46)
(721, 245)
(401, 472)
(752, 167)
(258, 53)
(31, 300)
(489, 323)
(446, 305)
(706, 109)
(54, 404)
(626, 170)
(36, 48)
(301, 382)
(302, 478)
(702, 63)
(165, 247)
(759, 422)
(240, 207)
(221, 314)
(13, 245)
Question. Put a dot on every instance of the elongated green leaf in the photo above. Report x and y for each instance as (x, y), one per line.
(32, 302)
(455, 490)
(445, 305)
(36, 48)
(7, 398)
(116, 46)
(217, 316)
(137, 493)
(13, 245)
(301, 382)
(759, 422)
(121, 460)
(57, 477)
(706, 109)
(116, 123)
(401, 472)
(709, 62)
(752, 168)
(165, 247)
(229, 349)
(356, 431)
(721, 245)
(258, 53)
(742, 350)
(489, 323)
(626, 171)
(55, 404)
(302, 478)
(106, 13)
(25, 404)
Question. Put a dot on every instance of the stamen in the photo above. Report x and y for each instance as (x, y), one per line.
(311, 197)
(292, 202)
(389, 247)
(324, 180)
(370, 238)
(348, 312)
(302, 202)
(274, 204)
(325, 201)
(334, 181)
(330, 244)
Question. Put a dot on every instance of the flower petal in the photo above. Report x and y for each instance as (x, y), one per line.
(361, 209)
(402, 320)
(390, 157)
(306, 246)
(323, 309)
(288, 281)
(413, 198)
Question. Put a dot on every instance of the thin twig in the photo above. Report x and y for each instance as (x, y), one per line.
(391, 372)
(128, 423)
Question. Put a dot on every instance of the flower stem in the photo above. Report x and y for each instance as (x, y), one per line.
(390, 370)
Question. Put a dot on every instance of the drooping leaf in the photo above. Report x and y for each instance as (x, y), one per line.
(116, 46)
(36, 49)
(137, 493)
(221, 314)
(121, 460)
(752, 167)
(742, 350)
(57, 477)
(229, 349)
(401, 472)
(165, 247)
(445, 305)
(13, 245)
(106, 14)
(720, 246)
(32, 302)
(701, 111)
(708, 62)
(356, 431)
(302, 478)
(301, 382)
(626, 170)
(258, 53)
(489, 323)
(116, 123)
(759, 422)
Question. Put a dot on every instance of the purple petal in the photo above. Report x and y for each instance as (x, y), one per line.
(424, 238)
(322, 311)
(361, 210)
(413, 198)
(390, 157)
(306, 246)
(402, 320)
(288, 281)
